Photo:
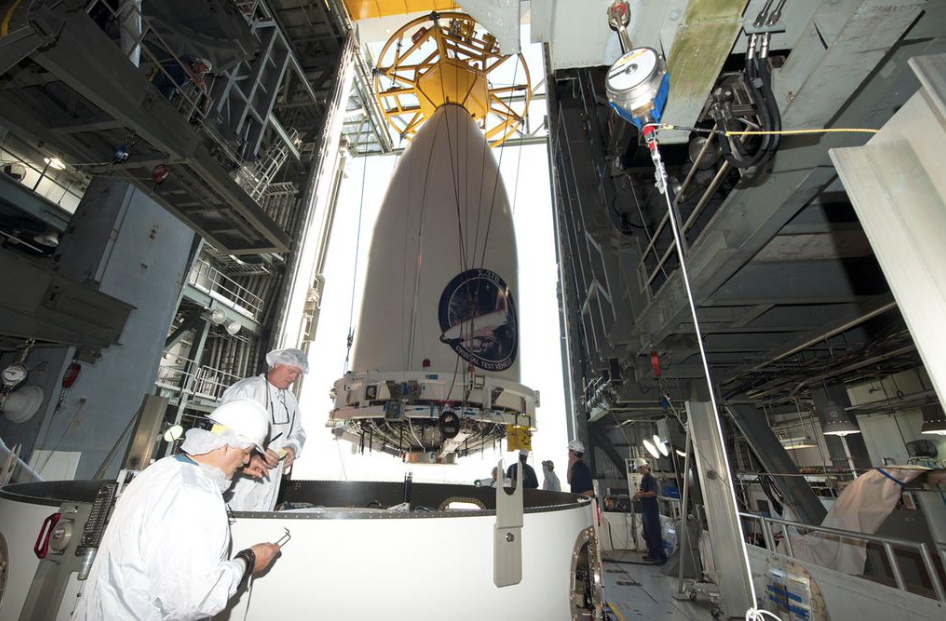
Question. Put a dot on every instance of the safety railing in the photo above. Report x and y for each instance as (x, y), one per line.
(656, 255)
(185, 377)
(670, 507)
(210, 383)
(257, 178)
(207, 277)
(182, 80)
(175, 375)
(43, 179)
(889, 544)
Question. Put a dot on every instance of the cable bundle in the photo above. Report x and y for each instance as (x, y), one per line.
(758, 77)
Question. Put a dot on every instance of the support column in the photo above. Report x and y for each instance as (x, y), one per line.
(194, 357)
(774, 458)
(730, 565)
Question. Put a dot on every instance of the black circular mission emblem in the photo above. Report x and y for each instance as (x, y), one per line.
(478, 319)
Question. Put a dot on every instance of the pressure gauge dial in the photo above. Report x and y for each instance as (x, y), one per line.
(13, 375)
(636, 84)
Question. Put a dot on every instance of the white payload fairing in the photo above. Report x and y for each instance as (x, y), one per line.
(443, 268)
(435, 367)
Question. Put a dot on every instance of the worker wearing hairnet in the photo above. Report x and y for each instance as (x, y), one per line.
(286, 436)
(165, 552)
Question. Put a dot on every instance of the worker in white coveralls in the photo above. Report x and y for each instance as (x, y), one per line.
(286, 435)
(165, 553)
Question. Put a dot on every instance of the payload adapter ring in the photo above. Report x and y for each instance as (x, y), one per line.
(442, 58)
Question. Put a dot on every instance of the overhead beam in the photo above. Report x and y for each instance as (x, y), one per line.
(87, 61)
(751, 216)
(796, 491)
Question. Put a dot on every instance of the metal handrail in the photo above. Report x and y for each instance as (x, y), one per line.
(888, 544)
(72, 188)
(650, 274)
(190, 97)
(211, 279)
(210, 382)
(205, 381)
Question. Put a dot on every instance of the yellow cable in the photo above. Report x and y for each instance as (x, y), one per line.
(784, 132)
(789, 132)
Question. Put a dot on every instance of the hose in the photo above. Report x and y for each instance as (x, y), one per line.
(758, 78)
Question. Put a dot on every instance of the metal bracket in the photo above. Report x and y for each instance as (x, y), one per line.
(507, 537)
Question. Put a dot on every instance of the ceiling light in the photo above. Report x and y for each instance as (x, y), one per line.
(55, 162)
(681, 453)
(661, 446)
(218, 316)
(173, 433)
(934, 421)
(651, 449)
(49, 239)
(21, 405)
(837, 422)
(792, 444)
(232, 328)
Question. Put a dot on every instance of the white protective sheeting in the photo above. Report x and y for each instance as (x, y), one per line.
(862, 507)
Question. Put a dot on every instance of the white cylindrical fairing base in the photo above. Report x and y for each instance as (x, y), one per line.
(442, 273)
(355, 554)
(411, 569)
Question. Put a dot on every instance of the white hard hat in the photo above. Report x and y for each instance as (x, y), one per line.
(244, 417)
(577, 446)
(523, 452)
(290, 357)
(640, 462)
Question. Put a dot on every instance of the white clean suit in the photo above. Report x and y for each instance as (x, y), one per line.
(285, 430)
(164, 554)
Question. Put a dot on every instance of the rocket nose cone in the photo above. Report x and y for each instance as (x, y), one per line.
(443, 267)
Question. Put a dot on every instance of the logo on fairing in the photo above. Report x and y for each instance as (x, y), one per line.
(478, 319)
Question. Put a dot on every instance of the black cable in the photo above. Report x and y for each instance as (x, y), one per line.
(761, 153)
(758, 77)
(622, 219)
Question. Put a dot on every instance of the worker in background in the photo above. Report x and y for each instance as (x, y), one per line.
(579, 474)
(165, 552)
(286, 436)
(650, 514)
(529, 479)
(495, 481)
(550, 480)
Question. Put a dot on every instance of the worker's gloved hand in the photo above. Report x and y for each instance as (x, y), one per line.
(272, 458)
(265, 553)
(256, 467)
(290, 457)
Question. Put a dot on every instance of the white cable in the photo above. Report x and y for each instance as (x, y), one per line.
(662, 184)
(249, 596)
(758, 614)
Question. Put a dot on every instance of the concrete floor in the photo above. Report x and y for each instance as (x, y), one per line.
(636, 590)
